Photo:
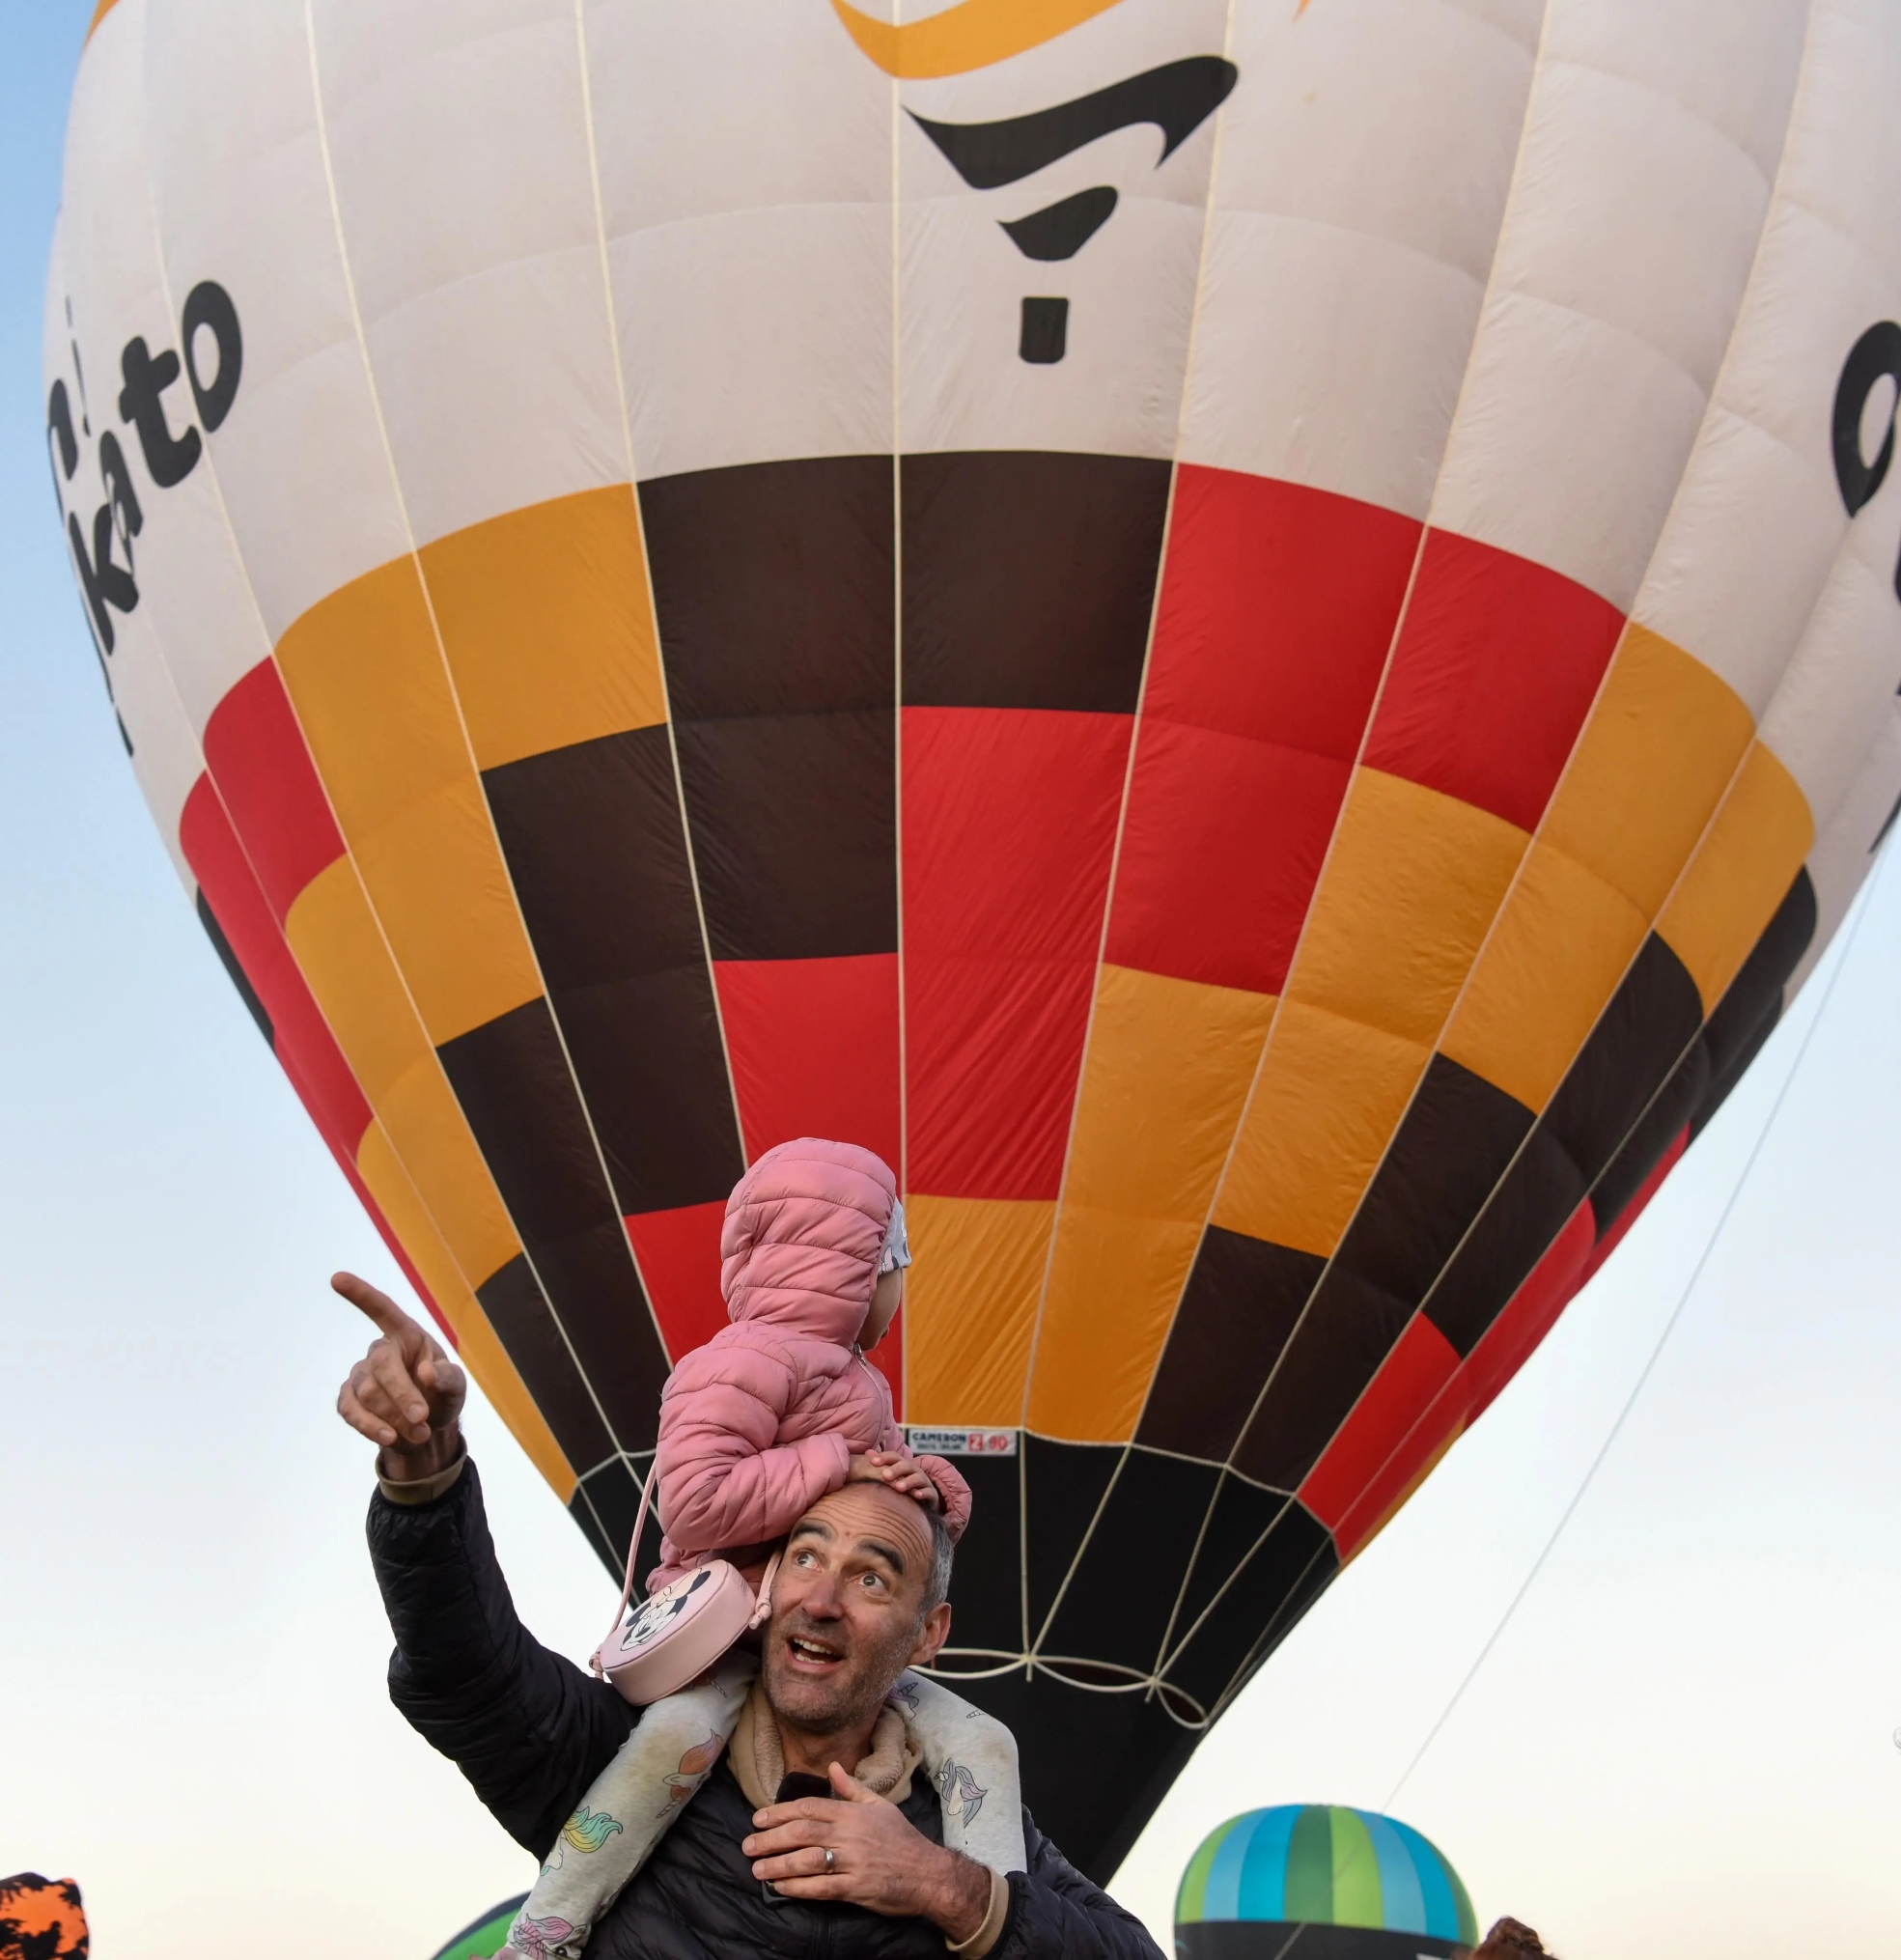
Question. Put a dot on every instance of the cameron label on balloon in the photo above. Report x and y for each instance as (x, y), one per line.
(960, 1442)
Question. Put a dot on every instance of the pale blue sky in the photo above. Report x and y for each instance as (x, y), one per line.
(1683, 1744)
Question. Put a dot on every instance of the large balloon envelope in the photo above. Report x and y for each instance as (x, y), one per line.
(1258, 638)
(1324, 1883)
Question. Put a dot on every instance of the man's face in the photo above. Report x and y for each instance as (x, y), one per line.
(846, 1620)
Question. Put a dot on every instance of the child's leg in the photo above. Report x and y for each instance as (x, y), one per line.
(626, 1812)
(972, 1759)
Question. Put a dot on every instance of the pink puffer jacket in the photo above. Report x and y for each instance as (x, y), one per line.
(761, 1422)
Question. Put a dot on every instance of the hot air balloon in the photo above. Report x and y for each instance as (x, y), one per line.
(1259, 639)
(41, 1918)
(483, 1936)
(1351, 1884)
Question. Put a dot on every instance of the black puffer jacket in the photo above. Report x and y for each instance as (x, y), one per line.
(531, 1731)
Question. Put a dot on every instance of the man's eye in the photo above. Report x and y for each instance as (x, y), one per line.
(871, 1579)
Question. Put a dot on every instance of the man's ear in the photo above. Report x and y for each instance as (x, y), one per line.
(931, 1636)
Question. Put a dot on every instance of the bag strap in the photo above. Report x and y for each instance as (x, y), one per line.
(762, 1607)
(633, 1558)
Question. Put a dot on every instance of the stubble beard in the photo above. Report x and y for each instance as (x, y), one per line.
(864, 1679)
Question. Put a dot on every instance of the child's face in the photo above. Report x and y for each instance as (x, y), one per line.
(887, 1298)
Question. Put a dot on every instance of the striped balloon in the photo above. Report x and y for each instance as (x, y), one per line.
(1357, 1886)
(1258, 638)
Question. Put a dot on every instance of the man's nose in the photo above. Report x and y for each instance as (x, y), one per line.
(823, 1598)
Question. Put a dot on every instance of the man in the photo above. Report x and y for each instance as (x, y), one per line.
(861, 1597)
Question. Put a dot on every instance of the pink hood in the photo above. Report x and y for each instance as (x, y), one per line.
(803, 1231)
(761, 1422)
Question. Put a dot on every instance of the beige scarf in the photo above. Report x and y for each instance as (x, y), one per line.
(758, 1760)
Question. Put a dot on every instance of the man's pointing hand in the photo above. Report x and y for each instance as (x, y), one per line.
(405, 1394)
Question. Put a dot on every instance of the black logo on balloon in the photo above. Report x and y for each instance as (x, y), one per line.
(211, 362)
(1177, 100)
(1874, 358)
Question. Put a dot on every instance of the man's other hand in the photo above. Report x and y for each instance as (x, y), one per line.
(879, 1859)
(405, 1394)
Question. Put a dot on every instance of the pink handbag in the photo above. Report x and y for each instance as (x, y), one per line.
(678, 1633)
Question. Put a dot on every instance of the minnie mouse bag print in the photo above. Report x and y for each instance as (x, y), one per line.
(675, 1636)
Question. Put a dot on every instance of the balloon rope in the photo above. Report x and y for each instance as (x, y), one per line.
(1863, 907)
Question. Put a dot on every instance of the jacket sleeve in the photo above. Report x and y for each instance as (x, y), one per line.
(528, 1729)
(1056, 1914)
(722, 1479)
(952, 1491)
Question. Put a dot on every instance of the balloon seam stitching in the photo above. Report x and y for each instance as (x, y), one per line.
(207, 775)
(647, 574)
(1691, 857)
(1506, 208)
(1863, 904)
(1426, 531)
(898, 693)
(1109, 885)
(396, 489)
(1690, 860)
(1135, 726)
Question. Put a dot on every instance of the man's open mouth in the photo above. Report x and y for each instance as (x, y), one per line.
(809, 1653)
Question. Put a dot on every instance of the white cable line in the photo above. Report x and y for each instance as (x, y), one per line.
(1864, 904)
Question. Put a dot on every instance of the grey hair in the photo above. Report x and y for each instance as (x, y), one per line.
(937, 1580)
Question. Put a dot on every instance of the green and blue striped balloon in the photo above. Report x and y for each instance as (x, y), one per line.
(1356, 1886)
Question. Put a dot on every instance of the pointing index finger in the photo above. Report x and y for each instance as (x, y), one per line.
(372, 1301)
